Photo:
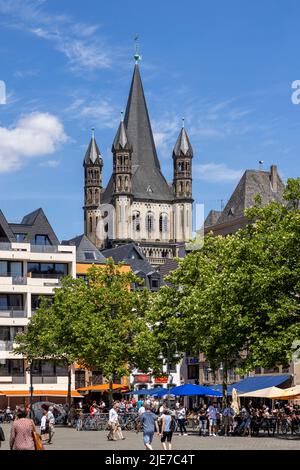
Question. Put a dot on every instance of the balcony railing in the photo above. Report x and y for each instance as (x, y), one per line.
(6, 345)
(43, 249)
(45, 275)
(5, 246)
(12, 312)
(41, 379)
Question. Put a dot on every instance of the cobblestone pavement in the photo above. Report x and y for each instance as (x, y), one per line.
(68, 438)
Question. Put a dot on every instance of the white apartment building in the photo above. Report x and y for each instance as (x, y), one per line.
(29, 269)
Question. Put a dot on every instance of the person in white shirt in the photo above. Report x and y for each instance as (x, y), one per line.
(50, 417)
(114, 425)
(181, 415)
(141, 410)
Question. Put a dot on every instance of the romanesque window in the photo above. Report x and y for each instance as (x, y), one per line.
(180, 166)
(136, 223)
(163, 223)
(149, 222)
(91, 224)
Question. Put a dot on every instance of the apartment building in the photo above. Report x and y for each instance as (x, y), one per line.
(32, 262)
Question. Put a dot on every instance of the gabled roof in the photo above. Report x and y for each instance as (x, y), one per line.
(124, 252)
(183, 146)
(252, 183)
(212, 218)
(35, 223)
(148, 182)
(86, 251)
(5, 229)
(93, 154)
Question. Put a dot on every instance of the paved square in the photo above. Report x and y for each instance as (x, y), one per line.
(68, 438)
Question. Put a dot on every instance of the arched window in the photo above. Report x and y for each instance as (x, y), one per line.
(163, 223)
(180, 166)
(149, 222)
(91, 224)
(136, 222)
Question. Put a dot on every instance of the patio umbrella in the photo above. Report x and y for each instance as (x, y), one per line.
(142, 391)
(235, 404)
(269, 392)
(292, 393)
(193, 390)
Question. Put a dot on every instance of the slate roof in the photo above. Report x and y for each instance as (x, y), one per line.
(212, 218)
(148, 182)
(93, 154)
(86, 251)
(131, 255)
(6, 232)
(35, 223)
(252, 183)
(183, 145)
(121, 140)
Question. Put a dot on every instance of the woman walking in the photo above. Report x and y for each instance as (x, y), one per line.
(166, 430)
(21, 434)
(181, 415)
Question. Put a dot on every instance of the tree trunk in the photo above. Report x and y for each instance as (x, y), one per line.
(110, 392)
(225, 379)
(69, 397)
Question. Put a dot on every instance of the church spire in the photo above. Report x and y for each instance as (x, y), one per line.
(93, 154)
(121, 140)
(183, 146)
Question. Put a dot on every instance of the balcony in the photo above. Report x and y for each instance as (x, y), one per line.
(12, 312)
(16, 279)
(43, 249)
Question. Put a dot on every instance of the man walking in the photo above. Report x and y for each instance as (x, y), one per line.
(212, 417)
(114, 425)
(228, 414)
(149, 422)
(50, 417)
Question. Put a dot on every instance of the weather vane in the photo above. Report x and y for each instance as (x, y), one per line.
(137, 55)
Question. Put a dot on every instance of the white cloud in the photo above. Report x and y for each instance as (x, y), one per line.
(215, 172)
(82, 44)
(98, 112)
(34, 135)
(50, 164)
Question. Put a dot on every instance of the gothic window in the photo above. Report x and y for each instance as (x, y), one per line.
(136, 221)
(149, 222)
(163, 223)
(180, 166)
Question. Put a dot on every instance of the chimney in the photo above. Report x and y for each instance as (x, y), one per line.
(274, 178)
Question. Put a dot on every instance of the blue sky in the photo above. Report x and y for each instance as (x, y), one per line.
(67, 64)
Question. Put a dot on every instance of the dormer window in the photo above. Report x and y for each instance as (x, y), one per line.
(89, 255)
(231, 211)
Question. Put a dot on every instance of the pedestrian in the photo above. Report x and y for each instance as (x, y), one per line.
(149, 422)
(114, 425)
(202, 422)
(228, 414)
(181, 415)
(21, 434)
(50, 417)
(212, 417)
(44, 429)
(167, 427)
(79, 420)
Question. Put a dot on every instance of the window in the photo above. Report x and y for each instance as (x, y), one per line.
(91, 224)
(149, 222)
(154, 283)
(8, 333)
(21, 237)
(42, 240)
(11, 301)
(47, 269)
(163, 223)
(49, 368)
(136, 223)
(11, 367)
(89, 255)
(11, 268)
(193, 371)
(36, 300)
(97, 377)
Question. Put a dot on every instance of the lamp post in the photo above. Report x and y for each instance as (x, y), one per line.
(169, 346)
(30, 369)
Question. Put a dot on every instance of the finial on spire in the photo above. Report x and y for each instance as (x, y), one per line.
(183, 123)
(93, 132)
(137, 56)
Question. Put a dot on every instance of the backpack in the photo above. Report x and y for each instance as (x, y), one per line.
(172, 425)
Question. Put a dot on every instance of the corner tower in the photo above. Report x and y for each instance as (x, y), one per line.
(182, 184)
(92, 164)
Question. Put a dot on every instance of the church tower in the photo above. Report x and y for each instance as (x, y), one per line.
(122, 182)
(92, 164)
(182, 183)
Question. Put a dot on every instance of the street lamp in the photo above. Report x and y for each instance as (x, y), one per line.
(30, 369)
(168, 358)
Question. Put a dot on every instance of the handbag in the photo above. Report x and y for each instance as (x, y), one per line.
(38, 444)
(2, 435)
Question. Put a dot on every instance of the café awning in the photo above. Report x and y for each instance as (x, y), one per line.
(269, 392)
(101, 388)
(39, 393)
(292, 393)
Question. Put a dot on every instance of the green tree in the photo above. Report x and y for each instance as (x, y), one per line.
(237, 299)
